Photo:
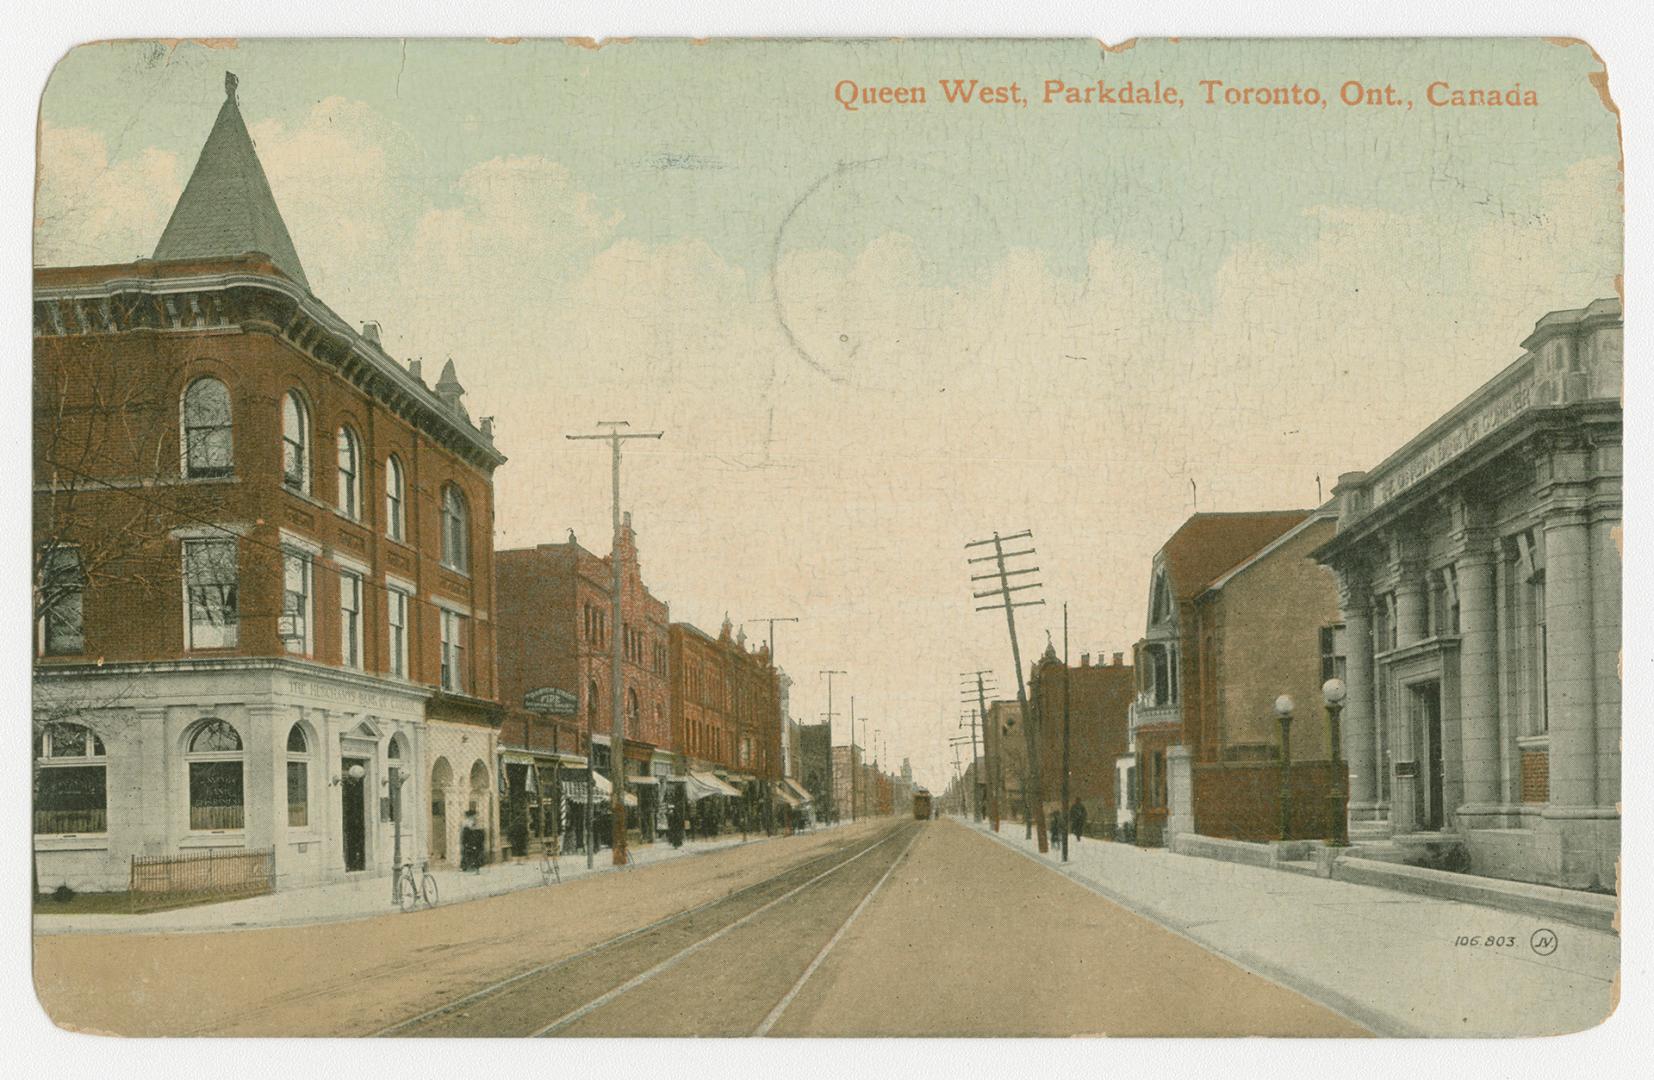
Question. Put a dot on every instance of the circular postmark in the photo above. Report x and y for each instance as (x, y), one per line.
(1543, 941)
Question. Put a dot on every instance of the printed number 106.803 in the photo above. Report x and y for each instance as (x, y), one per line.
(1487, 940)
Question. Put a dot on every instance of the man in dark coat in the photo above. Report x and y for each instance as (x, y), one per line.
(1076, 819)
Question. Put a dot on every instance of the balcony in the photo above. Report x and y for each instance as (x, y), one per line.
(1153, 715)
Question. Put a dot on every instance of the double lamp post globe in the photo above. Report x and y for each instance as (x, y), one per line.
(1333, 693)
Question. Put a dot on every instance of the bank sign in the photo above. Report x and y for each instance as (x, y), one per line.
(1455, 441)
(549, 699)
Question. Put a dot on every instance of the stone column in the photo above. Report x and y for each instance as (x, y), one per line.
(1359, 735)
(1478, 683)
(154, 791)
(1409, 607)
(1606, 647)
(264, 777)
(1570, 668)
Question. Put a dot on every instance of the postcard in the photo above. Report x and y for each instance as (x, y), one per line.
(827, 538)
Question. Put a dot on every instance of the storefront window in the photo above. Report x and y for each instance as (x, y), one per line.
(71, 784)
(214, 759)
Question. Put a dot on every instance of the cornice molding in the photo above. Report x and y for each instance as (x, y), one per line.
(228, 301)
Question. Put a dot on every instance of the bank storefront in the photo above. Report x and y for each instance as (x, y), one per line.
(1479, 577)
(315, 765)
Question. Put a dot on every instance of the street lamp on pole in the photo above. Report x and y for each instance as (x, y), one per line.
(1283, 711)
(1333, 693)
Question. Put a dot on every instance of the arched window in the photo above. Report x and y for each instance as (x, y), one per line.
(455, 530)
(350, 474)
(213, 754)
(70, 788)
(633, 712)
(395, 498)
(208, 446)
(591, 700)
(295, 442)
(298, 778)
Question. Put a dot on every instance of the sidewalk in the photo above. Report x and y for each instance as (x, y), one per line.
(343, 901)
(1385, 959)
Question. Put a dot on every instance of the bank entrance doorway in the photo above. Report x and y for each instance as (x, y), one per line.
(353, 801)
(1427, 729)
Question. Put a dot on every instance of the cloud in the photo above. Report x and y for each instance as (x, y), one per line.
(89, 210)
(1081, 407)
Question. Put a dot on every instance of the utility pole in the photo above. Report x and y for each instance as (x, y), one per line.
(865, 805)
(991, 767)
(982, 716)
(976, 766)
(617, 734)
(1065, 676)
(877, 776)
(769, 784)
(958, 780)
(830, 784)
(1032, 788)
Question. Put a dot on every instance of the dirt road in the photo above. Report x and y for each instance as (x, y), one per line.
(884, 928)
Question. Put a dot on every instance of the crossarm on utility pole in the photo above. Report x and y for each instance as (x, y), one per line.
(617, 734)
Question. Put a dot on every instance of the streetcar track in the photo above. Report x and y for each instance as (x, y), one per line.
(775, 1014)
(501, 986)
(672, 961)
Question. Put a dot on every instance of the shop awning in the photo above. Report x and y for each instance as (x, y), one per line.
(575, 791)
(701, 785)
(798, 789)
(646, 781)
(788, 797)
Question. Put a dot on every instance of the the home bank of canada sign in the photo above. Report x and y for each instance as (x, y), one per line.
(549, 699)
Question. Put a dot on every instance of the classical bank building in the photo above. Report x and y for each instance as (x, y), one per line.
(1479, 581)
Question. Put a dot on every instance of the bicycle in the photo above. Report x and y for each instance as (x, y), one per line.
(410, 893)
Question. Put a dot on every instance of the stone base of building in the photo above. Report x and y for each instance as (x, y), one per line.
(1569, 847)
(1575, 848)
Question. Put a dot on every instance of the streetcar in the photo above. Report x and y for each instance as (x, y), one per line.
(921, 805)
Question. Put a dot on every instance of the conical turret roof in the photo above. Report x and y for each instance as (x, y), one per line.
(227, 207)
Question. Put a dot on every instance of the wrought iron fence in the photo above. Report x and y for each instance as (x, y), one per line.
(163, 881)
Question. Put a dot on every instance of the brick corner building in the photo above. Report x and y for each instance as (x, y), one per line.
(264, 579)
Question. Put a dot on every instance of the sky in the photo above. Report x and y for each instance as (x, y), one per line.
(873, 335)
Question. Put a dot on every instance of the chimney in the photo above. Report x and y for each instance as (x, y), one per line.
(370, 330)
(488, 428)
(414, 370)
(1119, 659)
(1085, 659)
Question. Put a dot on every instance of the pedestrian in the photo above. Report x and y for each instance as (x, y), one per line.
(1076, 819)
(1058, 826)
